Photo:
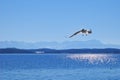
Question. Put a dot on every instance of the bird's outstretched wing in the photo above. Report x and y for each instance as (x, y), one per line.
(75, 33)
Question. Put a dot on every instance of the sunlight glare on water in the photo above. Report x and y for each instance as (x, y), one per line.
(92, 58)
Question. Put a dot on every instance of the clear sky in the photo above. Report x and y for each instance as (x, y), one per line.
(55, 20)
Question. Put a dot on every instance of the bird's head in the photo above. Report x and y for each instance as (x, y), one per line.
(90, 31)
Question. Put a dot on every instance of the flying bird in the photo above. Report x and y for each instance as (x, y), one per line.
(83, 31)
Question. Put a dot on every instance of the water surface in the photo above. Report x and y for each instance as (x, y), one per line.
(60, 67)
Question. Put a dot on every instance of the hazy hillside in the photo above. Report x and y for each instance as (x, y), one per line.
(57, 45)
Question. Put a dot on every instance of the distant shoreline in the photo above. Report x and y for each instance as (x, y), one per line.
(55, 51)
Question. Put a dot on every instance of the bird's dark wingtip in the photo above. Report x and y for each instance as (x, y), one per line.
(70, 36)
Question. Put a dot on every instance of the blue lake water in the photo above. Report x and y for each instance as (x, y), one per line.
(60, 67)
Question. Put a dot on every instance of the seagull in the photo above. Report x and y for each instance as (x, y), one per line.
(83, 31)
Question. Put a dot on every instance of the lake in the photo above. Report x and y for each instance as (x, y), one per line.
(60, 67)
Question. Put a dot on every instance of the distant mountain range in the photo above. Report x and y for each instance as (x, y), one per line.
(57, 45)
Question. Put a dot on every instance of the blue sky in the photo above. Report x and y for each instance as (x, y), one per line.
(55, 20)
